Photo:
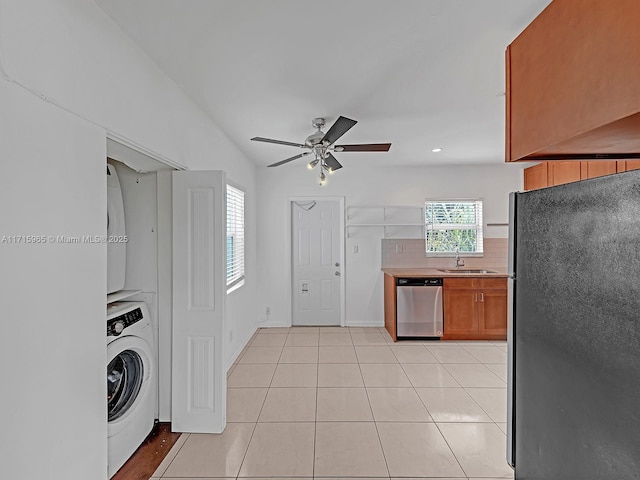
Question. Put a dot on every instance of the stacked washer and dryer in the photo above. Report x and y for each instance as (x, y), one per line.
(131, 364)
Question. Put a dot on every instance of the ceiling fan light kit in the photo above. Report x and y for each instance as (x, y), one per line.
(322, 144)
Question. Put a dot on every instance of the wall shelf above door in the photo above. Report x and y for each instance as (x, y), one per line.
(395, 221)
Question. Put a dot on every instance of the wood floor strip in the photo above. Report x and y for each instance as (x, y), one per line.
(149, 455)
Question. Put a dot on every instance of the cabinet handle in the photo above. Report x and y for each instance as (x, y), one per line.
(482, 296)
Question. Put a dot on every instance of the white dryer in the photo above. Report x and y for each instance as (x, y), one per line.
(116, 250)
(131, 380)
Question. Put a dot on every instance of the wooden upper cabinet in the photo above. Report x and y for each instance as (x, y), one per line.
(563, 172)
(550, 174)
(628, 165)
(535, 177)
(573, 88)
(597, 169)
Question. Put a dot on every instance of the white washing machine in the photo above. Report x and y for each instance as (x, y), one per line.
(131, 380)
(116, 250)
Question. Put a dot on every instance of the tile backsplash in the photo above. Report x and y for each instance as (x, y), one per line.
(409, 253)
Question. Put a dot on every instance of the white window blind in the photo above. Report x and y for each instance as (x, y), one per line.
(235, 236)
(453, 225)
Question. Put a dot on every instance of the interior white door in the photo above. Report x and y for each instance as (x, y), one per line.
(199, 381)
(316, 262)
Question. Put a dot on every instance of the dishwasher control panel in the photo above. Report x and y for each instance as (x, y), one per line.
(415, 281)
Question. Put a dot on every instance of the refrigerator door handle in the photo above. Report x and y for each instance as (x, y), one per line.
(511, 325)
(511, 460)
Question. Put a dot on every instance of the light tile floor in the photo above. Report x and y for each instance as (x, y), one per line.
(340, 403)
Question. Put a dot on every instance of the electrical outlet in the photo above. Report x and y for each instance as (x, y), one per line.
(355, 249)
(268, 310)
(399, 248)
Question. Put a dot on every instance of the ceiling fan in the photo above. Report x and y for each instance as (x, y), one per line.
(322, 144)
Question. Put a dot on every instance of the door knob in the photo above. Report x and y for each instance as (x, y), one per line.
(337, 274)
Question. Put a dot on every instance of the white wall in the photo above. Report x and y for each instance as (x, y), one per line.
(363, 186)
(69, 77)
(52, 346)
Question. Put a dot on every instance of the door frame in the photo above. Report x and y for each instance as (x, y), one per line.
(289, 249)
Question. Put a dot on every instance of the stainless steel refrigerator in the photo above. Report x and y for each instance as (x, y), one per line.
(574, 331)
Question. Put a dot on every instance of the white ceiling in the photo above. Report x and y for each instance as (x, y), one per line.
(417, 73)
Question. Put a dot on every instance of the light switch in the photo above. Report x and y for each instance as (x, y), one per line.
(399, 248)
(355, 249)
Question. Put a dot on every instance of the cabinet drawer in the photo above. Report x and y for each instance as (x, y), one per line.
(490, 283)
(474, 282)
(460, 283)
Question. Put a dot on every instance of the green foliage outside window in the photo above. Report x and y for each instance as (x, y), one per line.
(453, 226)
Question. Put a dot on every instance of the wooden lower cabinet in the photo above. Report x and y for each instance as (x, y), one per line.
(475, 309)
(492, 313)
(460, 311)
(390, 305)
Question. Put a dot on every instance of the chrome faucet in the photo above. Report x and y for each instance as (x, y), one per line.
(459, 261)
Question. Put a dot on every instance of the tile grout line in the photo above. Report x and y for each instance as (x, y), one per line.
(315, 423)
(176, 455)
(255, 424)
(375, 423)
(430, 416)
(451, 449)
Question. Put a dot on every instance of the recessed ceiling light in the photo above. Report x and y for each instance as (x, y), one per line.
(436, 150)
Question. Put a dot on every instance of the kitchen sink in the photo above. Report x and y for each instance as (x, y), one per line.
(465, 270)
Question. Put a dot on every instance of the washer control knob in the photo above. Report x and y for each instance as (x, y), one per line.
(117, 328)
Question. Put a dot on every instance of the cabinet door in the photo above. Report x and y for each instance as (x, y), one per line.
(536, 177)
(629, 165)
(563, 172)
(390, 305)
(492, 312)
(597, 169)
(460, 312)
(574, 50)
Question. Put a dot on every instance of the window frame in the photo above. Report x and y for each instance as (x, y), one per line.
(478, 226)
(235, 227)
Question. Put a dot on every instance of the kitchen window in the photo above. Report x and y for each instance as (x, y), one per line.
(453, 226)
(235, 238)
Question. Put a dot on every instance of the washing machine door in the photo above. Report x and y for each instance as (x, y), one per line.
(128, 369)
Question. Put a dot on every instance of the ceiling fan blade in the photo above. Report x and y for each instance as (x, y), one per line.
(331, 162)
(287, 160)
(279, 142)
(365, 147)
(339, 128)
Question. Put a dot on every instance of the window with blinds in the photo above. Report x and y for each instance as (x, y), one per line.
(453, 226)
(235, 237)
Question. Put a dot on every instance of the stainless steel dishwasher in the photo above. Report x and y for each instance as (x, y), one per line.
(419, 307)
